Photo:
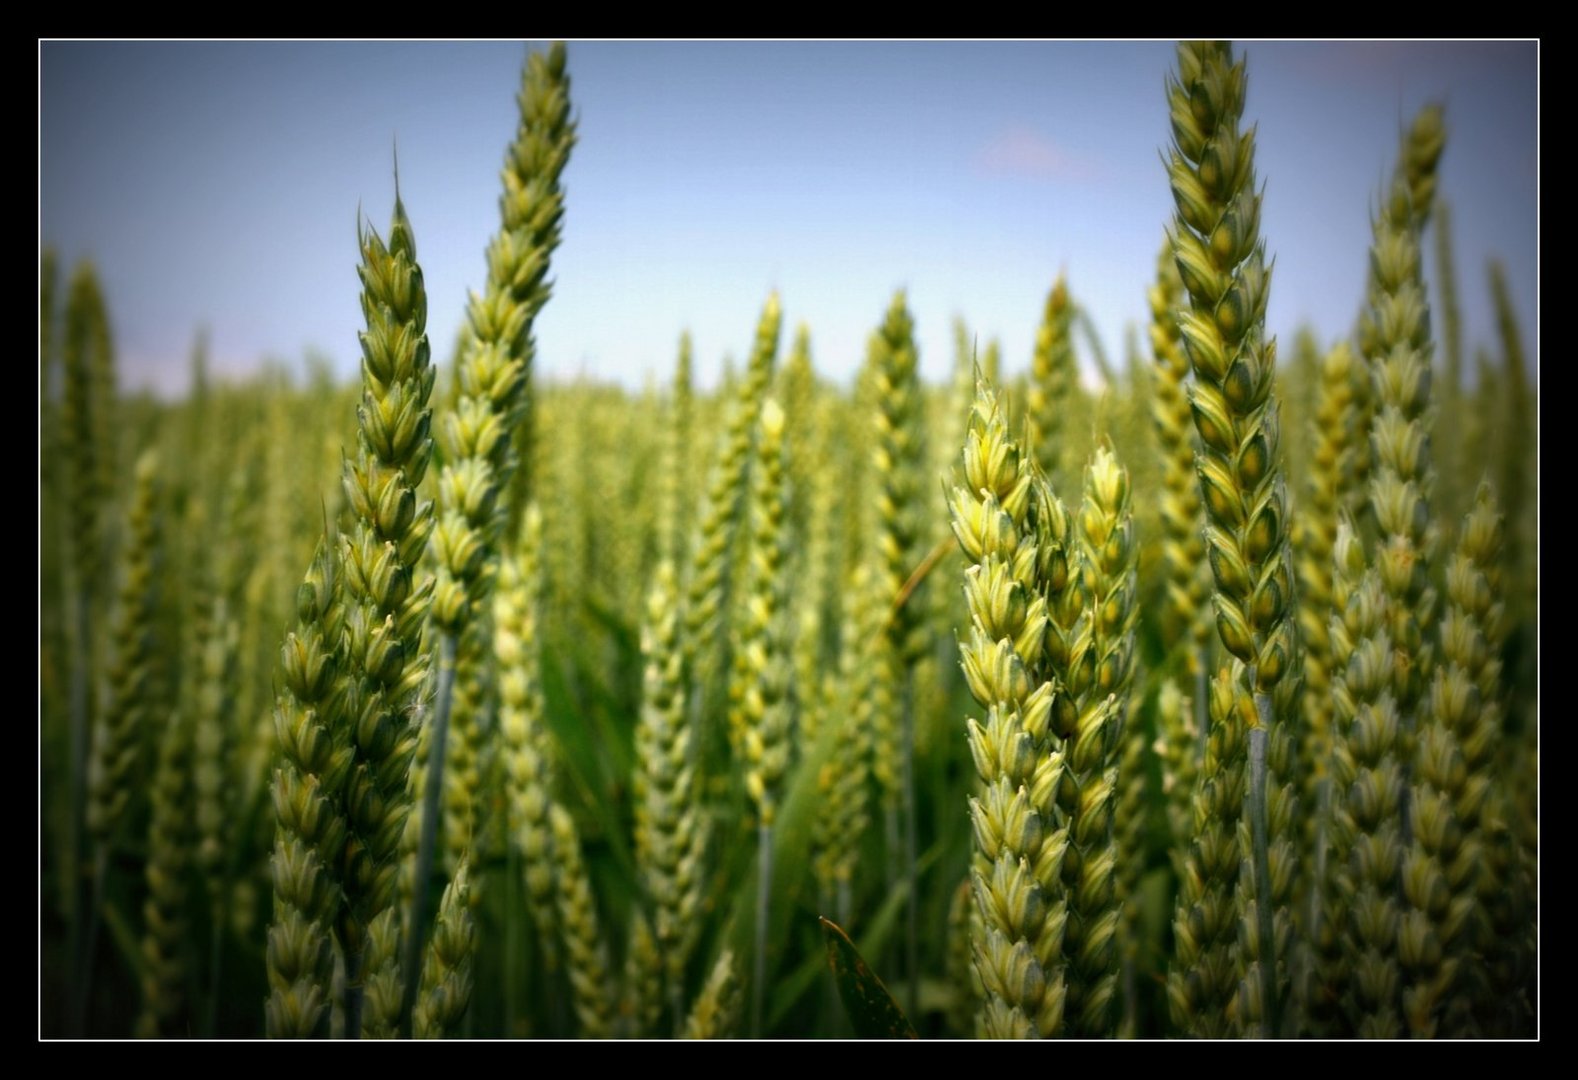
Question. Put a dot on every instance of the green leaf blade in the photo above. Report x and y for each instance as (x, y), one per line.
(872, 1010)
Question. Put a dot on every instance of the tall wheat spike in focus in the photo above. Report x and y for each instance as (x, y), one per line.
(1003, 517)
(533, 211)
(387, 605)
(476, 489)
(1217, 246)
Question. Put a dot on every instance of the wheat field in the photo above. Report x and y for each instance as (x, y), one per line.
(1198, 698)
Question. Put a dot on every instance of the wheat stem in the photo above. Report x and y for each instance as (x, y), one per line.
(427, 845)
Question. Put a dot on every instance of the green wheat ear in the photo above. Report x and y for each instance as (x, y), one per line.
(493, 413)
(86, 428)
(762, 719)
(1013, 533)
(1331, 494)
(1221, 258)
(533, 210)
(1109, 590)
(1053, 374)
(447, 974)
(717, 1009)
(585, 947)
(483, 486)
(117, 741)
(1446, 933)
(843, 813)
(897, 454)
(1365, 833)
(169, 858)
(677, 466)
(670, 832)
(79, 440)
(315, 760)
(1183, 519)
(386, 602)
(1421, 153)
(1204, 977)
(1395, 335)
(719, 520)
(527, 746)
(382, 978)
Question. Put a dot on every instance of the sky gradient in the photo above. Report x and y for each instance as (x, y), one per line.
(218, 185)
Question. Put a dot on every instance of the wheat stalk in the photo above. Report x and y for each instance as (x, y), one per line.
(677, 467)
(670, 834)
(1188, 574)
(843, 811)
(896, 458)
(1220, 256)
(447, 975)
(386, 604)
(491, 418)
(117, 740)
(315, 761)
(717, 1008)
(719, 520)
(1053, 374)
(169, 857)
(1421, 158)
(527, 750)
(79, 436)
(1203, 979)
(584, 945)
(1395, 335)
(1014, 533)
(532, 207)
(1367, 783)
(1094, 656)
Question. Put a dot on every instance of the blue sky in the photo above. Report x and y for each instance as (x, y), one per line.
(218, 185)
